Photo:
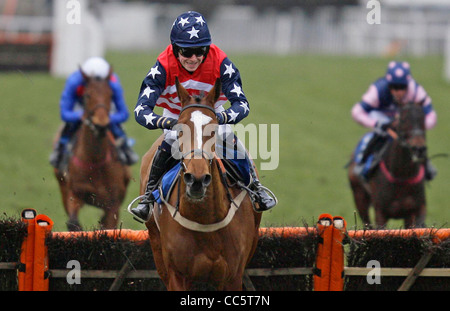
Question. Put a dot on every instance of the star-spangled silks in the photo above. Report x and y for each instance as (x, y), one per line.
(138, 109)
(237, 89)
(147, 92)
(229, 71)
(149, 118)
(154, 71)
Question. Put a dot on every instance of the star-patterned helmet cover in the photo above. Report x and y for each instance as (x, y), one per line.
(190, 30)
(398, 73)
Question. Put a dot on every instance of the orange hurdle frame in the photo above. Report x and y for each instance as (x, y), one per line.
(33, 267)
(328, 271)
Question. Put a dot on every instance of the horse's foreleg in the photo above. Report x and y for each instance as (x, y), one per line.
(362, 199)
(155, 243)
(73, 205)
(176, 282)
(110, 218)
(234, 285)
(380, 218)
(416, 220)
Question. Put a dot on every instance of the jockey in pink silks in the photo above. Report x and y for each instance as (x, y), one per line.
(377, 110)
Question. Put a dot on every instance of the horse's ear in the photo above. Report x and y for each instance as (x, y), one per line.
(183, 95)
(214, 93)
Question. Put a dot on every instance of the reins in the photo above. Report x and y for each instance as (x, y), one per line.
(234, 202)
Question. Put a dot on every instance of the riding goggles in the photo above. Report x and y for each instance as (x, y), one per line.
(397, 86)
(198, 51)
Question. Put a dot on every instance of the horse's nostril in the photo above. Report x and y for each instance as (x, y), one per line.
(189, 178)
(206, 180)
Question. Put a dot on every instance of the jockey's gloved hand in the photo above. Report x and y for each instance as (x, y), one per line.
(221, 117)
(381, 128)
(168, 123)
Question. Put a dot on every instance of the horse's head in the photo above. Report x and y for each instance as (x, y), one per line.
(97, 103)
(411, 130)
(196, 129)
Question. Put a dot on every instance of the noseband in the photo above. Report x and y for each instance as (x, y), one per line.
(197, 152)
(97, 129)
(415, 132)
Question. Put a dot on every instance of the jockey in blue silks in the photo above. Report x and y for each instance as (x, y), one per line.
(71, 106)
(197, 63)
(378, 108)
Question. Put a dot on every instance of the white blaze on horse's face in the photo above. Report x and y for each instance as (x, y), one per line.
(199, 119)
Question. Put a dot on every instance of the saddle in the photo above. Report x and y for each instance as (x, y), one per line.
(368, 159)
(63, 165)
(235, 174)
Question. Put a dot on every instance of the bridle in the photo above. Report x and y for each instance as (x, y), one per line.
(197, 152)
(414, 132)
(99, 130)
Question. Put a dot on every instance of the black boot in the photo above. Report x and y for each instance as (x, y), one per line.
(430, 171)
(159, 166)
(375, 144)
(264, 200)
(57, 155)
(129, 157)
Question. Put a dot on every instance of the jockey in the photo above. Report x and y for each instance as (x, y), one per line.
(71, 104)
(378, 108)
(197, 63)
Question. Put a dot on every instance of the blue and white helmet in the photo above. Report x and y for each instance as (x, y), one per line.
(398, 73)
(190, 30)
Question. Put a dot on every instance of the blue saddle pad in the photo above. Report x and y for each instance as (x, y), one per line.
(167, 181)
(359, 152)
(239, 160)
(170, 177)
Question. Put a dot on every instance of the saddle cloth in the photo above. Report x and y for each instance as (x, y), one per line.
(369, 152)
(236, 168)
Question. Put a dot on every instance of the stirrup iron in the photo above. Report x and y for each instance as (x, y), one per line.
(130, 206)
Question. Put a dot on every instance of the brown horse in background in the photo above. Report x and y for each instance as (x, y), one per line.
(396, 188)
(94, 174)
(196, 237)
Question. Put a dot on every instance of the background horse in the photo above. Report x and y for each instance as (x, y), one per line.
(201, 243)
(94, 174)
(396, 188)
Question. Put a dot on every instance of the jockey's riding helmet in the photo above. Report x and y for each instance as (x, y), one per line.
(190, 30)
(96, 67)
(398, 74)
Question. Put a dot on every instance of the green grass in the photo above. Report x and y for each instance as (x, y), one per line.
(309, 96)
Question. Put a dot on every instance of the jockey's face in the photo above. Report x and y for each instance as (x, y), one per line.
(398, 95)
(398, 92)
(190, 63)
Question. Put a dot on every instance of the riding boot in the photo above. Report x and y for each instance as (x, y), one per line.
(57, 155)
(361, 159)
(430, 170)
(130, 157)
(159, 167)
(264, 200)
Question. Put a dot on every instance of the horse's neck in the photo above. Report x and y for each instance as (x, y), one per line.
(399, 161)
(213, 208)
(93, 148)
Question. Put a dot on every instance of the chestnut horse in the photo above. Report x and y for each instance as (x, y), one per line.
(396, 188)
(94, 174)
(206, 233)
